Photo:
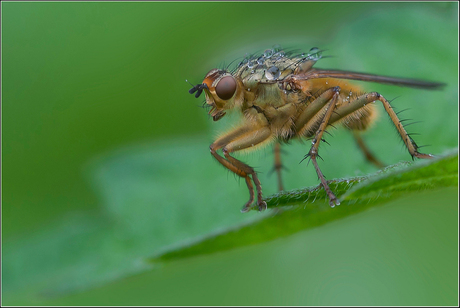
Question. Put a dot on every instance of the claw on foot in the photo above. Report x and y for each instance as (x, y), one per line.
(421, 155)
(334, 201)
(262, 206)
(246, 208)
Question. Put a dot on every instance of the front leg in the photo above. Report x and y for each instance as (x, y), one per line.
(244, 137)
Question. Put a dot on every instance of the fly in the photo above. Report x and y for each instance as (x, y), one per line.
(280, 97)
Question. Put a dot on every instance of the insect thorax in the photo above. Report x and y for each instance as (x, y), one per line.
(264, 70)
(274, 65)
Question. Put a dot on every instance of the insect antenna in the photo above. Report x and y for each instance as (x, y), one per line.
(198, 88)
(186, 80)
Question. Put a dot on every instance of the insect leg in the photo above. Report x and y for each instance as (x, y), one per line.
(365, 99)
(313, 153)
(278, 165)
(313, 109)
(367, 153)
(247, 141)
(242, 138)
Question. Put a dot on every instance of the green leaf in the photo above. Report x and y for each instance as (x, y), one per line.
(308, 209)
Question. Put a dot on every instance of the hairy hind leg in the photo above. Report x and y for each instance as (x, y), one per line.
(361, 102)
(340, 113)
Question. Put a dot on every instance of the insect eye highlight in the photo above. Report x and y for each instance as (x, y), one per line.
(226, 87)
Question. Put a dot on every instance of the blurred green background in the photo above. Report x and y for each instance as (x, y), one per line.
(105, 158)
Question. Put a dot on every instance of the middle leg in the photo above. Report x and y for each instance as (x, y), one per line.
(312, 124)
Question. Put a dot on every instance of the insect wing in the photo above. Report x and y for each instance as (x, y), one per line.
(413, 83)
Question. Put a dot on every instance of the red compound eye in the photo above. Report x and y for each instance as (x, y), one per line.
(226, 88)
